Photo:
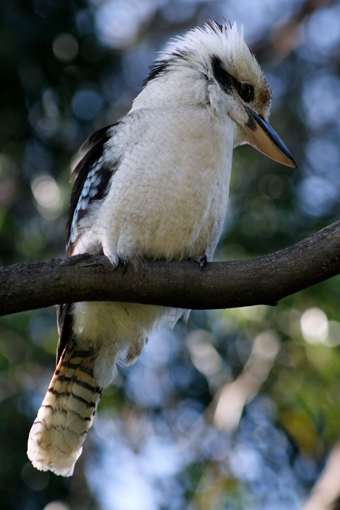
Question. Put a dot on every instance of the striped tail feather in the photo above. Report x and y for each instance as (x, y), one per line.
(57, 435)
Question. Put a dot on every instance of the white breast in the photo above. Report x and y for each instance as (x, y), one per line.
(168, 197)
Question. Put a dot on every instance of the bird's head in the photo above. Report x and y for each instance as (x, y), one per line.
(214, 68)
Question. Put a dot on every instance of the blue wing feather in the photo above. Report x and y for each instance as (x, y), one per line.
(91, 177)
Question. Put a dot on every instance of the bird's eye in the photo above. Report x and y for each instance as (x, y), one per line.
(246, 92)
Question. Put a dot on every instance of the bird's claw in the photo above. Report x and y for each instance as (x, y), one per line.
(125, 264)
(122, 260)
(119, 260)
(203, 261)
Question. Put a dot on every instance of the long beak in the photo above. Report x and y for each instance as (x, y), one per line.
(263, 138)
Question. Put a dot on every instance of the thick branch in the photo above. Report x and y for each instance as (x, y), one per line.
(263, 280)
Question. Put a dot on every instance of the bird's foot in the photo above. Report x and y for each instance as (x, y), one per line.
(125, 264)
(203, 262)
(116, 260)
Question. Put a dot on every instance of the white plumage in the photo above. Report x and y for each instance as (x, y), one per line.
(153, 186)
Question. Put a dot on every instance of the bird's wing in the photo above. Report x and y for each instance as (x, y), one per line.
(91, 177)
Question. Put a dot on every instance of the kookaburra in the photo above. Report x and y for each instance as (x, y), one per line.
(153, 186)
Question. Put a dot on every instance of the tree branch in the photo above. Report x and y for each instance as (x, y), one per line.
(262, 280)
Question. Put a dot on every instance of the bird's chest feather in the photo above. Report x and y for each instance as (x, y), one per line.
(168, 197)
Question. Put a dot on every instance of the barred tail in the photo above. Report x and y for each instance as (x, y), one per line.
(57, 435)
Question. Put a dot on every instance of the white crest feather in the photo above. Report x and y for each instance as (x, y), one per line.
(224, 41)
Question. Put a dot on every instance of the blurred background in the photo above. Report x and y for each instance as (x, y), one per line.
(240, 408)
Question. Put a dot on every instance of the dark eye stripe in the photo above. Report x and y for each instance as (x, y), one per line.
(227, 81)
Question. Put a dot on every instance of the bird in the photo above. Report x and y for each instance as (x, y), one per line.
(153, 186)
